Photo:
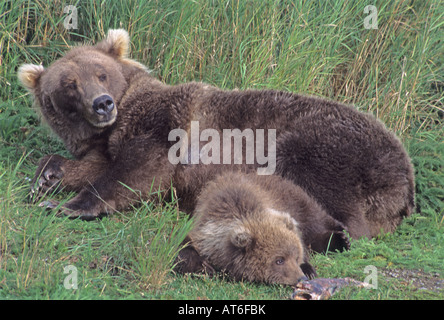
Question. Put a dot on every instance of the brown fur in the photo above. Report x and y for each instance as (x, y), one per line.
(347, 160)
(245, 223)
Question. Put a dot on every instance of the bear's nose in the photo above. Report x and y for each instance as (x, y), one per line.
(103, 105)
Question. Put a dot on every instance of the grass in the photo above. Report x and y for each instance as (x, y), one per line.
(395, 72)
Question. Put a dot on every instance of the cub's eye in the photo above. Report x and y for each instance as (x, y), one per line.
(280, 261)
(102, 77)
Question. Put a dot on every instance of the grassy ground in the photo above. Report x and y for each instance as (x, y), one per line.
(394, 71)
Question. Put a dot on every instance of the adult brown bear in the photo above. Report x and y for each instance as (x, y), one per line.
(115, 119)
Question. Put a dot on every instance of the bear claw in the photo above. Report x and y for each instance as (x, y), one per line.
(49, 204)
(343, 239)
(47, 179)
(207, 268)
(64, 211)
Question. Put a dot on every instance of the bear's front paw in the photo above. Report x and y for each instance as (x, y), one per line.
(85, 210)
(340, 241)
(71, 209)
(49, 204)
(48, 177)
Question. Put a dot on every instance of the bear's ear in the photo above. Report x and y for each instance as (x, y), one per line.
(241, 237)
(116, 43)
(290, 223)
(29, 75)
(285, 217)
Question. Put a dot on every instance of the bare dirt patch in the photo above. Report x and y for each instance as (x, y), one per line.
(416, 278)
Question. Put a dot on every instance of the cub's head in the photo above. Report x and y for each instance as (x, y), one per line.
(80, 91)
(268, 249)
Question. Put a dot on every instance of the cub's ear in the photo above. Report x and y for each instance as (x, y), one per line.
(285, 217)
(290, 223)
(116, 43)
(241, 238)
(29, 75)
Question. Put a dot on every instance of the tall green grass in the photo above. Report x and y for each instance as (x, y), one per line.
(312, 47)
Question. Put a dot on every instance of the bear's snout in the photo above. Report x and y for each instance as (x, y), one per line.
(103, 105)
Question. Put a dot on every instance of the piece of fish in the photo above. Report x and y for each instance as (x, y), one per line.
(323, 288)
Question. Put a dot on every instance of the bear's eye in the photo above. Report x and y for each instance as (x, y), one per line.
(72, 86)
(102, 77)
(280, 261)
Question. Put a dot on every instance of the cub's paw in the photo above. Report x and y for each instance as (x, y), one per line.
(308, 270)
(48, 177)
(189, 261)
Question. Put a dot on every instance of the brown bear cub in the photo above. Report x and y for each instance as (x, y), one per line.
(116, 120)
(258, 228)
